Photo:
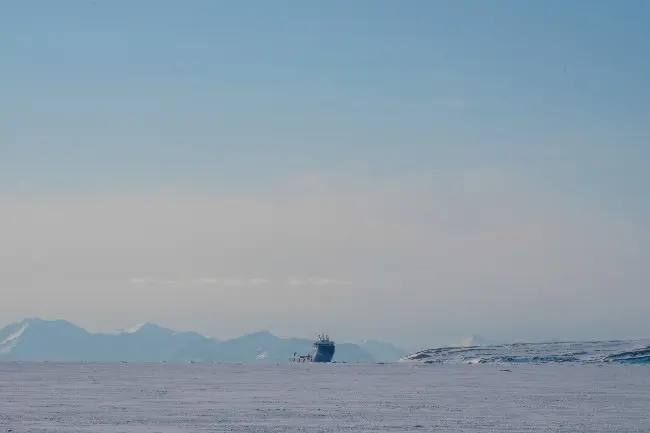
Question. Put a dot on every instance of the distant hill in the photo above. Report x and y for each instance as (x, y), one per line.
(59, 340)
(571, 352)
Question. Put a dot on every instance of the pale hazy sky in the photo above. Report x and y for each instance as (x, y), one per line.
(408, 171)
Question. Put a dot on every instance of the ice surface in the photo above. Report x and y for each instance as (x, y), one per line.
(48, 397)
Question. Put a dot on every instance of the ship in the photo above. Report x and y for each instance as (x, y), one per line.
(323, 350)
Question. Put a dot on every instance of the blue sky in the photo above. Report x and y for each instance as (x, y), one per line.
(108, 98)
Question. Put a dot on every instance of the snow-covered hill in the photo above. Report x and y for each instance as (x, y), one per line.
(587, 352)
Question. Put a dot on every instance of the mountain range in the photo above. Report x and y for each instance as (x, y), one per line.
(59, 340)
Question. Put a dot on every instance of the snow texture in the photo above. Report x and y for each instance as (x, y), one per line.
(133, 329)
(7, 345)
(401, 397)
(587, 352)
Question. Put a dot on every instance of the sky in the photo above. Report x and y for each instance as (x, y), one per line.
(413, 172)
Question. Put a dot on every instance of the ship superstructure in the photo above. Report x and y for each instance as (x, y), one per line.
(323, 350)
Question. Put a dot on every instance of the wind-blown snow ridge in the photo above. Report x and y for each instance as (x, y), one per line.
(134, 328)
(15, 335)
(627, 352)
(7, 345)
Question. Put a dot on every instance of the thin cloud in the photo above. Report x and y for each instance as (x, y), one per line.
(228, 282)
(318, 282)
(208, 281)
(258, 282)
(249, 282)
(153, 281)
(144, 281)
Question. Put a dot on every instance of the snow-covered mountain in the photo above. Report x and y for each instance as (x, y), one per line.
(59, 340)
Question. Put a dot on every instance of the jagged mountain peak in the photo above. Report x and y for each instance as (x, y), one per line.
(261, 334)
(52, 322)
(145, 327)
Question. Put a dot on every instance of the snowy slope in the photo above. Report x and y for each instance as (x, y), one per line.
(10, 341)
(629, 352)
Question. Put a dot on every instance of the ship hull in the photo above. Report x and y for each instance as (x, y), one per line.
(323, 353)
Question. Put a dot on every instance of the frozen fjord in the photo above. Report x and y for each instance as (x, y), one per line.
(51, 397)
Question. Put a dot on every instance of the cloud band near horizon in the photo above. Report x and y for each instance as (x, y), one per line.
(464, 250)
